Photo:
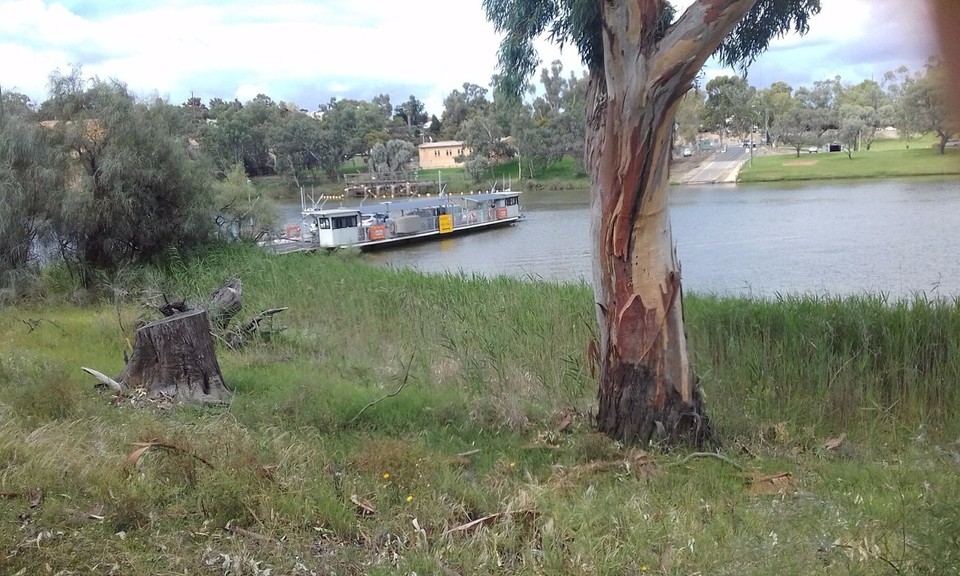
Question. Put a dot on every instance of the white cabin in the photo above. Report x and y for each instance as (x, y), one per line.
(337, 227)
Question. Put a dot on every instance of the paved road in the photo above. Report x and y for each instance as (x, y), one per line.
(720, 167)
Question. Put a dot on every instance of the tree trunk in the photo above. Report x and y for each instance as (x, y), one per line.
(647, 389)
(174, 358)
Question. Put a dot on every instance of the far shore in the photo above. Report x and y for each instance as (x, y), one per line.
(917, 161)
(886, 159)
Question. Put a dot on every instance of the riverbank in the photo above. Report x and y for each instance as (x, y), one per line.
(441, 424)
(874, 164)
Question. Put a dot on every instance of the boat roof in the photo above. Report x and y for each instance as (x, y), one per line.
(411, 203)
(332, 211)
(431, 202)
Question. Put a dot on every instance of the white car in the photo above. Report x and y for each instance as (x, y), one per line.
(687, 152)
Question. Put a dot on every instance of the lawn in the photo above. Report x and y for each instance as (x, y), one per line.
(885, 160)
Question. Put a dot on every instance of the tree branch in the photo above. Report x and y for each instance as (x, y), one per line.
(104, 379)
(406, 375)
(720, 457)
(695, 36)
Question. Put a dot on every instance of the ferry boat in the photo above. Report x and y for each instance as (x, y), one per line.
(407, 220)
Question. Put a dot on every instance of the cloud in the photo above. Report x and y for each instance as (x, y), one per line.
(307, 52)
(853, 39)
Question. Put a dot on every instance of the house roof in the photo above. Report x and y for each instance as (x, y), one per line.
(441, 144)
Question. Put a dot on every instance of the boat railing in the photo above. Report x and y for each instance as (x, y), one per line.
(428, 223)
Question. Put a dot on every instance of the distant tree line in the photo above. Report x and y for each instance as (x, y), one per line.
(851, 116)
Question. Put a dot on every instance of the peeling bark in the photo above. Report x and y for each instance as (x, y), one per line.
(647, 387)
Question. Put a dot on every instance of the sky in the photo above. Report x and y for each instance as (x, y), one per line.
(306, 52)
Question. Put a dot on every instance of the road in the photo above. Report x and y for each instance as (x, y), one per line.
(720, 167)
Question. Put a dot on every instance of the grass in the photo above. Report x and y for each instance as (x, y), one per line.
(487, 367)
(886, 159)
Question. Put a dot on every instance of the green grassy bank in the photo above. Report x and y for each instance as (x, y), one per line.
(466, 469)
(883, 162)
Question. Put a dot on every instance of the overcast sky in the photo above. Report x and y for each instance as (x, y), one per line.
(306, 52)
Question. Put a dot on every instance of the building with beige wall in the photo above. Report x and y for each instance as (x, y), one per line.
(441, 154)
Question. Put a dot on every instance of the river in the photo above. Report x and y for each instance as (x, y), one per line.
(896, 238)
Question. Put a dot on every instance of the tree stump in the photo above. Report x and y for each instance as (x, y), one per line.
(174, 358)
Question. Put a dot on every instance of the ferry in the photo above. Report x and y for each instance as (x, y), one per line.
(406, 220)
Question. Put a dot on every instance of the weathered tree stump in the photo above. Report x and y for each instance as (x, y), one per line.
(224, 303)
(174, 358)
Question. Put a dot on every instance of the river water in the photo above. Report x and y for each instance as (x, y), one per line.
(896, 238)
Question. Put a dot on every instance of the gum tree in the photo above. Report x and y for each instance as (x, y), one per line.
(640, 61)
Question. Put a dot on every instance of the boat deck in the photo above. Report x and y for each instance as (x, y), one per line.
(288, 245)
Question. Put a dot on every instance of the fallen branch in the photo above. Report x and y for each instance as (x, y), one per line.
(363, 507)
(104, 379)
(254, 322)
(134, 456)
(406, 375)
(236, 336)
(35, 496)
(248, 534)
(720, 457)
(486, 519)
(33, 323)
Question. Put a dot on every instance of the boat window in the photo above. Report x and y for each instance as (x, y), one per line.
(344, 222)
(323, 223)
(512, 201)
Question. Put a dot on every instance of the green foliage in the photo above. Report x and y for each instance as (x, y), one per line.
(412, 112)
(391, 157)
(580, 22)
(134, 189)
(923, 106)
(350, 128)
(523, 22)
(31, 181)
(768, 19)
(15, 105)
(459, 107)
(868, 104)
(731, 104)
(243, 213)
(298, 143)
(241, 134)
